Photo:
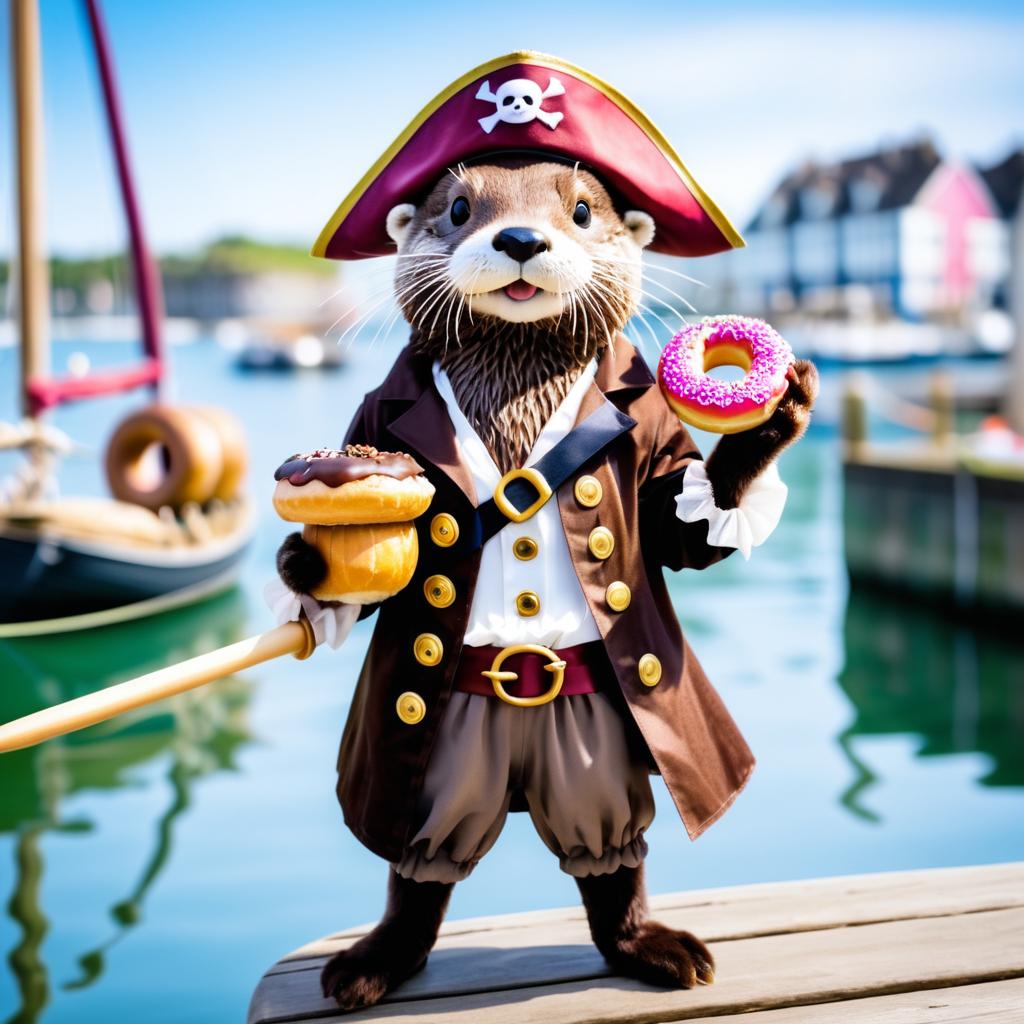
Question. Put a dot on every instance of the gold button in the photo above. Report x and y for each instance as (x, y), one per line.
(527, 603)
(588, 491)
(439, 591)
(444, 530)
(524, 548)
(617, 595)
(601, 542)
(649, 668)
(428, 649)
(410, 707)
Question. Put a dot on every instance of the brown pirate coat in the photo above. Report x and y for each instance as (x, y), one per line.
(692, 740)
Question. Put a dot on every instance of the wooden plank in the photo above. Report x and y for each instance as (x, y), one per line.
(790, 969)
(995, 1002)
(763, 909)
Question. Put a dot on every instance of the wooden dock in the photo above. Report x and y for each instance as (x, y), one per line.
(933, 517)
(917, 947)
(945, 530)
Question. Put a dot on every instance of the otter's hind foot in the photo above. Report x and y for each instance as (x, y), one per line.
(357, 978)
(660, 956)
(632, 944)
(395, 950)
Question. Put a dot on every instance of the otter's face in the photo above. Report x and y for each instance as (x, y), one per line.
(521, 244)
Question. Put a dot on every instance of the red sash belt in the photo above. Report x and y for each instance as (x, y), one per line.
(587, 670)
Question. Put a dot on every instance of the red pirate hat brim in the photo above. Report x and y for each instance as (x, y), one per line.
(593, 123)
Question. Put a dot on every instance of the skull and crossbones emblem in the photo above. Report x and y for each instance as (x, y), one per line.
(519, 101)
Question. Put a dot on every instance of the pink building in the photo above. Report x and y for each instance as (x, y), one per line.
(900, 232)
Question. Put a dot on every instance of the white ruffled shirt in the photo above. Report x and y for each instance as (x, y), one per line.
(564, 619)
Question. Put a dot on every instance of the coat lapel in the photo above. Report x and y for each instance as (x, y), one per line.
(621, 368)
(420, 420)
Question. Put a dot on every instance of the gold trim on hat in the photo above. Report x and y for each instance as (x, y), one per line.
(627, 106)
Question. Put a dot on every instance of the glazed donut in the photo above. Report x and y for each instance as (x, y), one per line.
(725, 407)
(359, 485)
(365, 564)
(163, 455)
(233, 449)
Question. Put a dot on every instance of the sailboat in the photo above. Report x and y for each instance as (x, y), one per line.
(177, 524)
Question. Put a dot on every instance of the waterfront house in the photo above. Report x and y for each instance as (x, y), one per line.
(902, 232)
(1006, 183)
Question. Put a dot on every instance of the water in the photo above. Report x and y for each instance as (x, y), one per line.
(163, 861)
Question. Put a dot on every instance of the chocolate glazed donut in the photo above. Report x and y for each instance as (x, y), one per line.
(359, 545)
(358, 485)
(334, 467)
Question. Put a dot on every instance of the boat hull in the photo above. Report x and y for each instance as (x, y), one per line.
(47, 577)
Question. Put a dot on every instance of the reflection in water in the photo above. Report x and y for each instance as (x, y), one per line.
(911, 670)
(25, 961)
(199, 732)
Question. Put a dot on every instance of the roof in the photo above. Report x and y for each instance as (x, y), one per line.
(884, 180)
(1005, 181)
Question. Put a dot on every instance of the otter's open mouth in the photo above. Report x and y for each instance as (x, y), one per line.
(520, 290)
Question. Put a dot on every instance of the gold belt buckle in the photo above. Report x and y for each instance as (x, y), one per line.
(498, 677)
(507, 509)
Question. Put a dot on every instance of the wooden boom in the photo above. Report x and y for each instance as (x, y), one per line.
(292, 638)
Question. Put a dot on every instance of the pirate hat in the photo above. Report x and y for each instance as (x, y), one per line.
(530, 101)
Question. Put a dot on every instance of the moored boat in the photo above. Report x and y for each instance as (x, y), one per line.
(178, 523)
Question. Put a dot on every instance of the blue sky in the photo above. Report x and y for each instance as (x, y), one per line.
(258, 116)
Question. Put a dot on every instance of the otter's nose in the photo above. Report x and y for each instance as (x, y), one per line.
(520, 243)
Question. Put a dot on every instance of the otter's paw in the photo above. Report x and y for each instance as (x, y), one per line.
(661, 956)
(738, 459)
(359, 977)
(300, 565)
(793, 413)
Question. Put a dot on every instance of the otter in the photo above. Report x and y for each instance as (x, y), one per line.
(515, 274)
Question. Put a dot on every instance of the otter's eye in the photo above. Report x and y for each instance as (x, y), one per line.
(581, 215)
(460, 211)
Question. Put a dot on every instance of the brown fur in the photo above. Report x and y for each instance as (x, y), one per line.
(634, 945)
(395, 950)
(738, 459)
(300, 565)
(509, 378)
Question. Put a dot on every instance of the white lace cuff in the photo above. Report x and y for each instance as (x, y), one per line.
(331, 624)
(744, 527)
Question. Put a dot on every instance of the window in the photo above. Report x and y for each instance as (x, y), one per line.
(816, 252)
(869, 246)
(817, 201)
(865, 194)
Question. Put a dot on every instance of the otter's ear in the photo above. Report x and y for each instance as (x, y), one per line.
(641, 226)
(398, 222)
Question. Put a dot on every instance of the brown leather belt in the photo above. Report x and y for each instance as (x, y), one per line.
(535, 674)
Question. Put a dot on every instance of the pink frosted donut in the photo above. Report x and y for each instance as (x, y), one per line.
(722, 406)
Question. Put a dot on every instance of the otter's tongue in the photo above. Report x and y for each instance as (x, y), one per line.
(520, 290)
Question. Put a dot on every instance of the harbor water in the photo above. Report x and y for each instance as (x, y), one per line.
(152, 867)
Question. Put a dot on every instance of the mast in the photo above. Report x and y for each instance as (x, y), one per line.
(34, 271)
(148, 290)
(41, 390)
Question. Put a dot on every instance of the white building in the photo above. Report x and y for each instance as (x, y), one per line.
(901, 232)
